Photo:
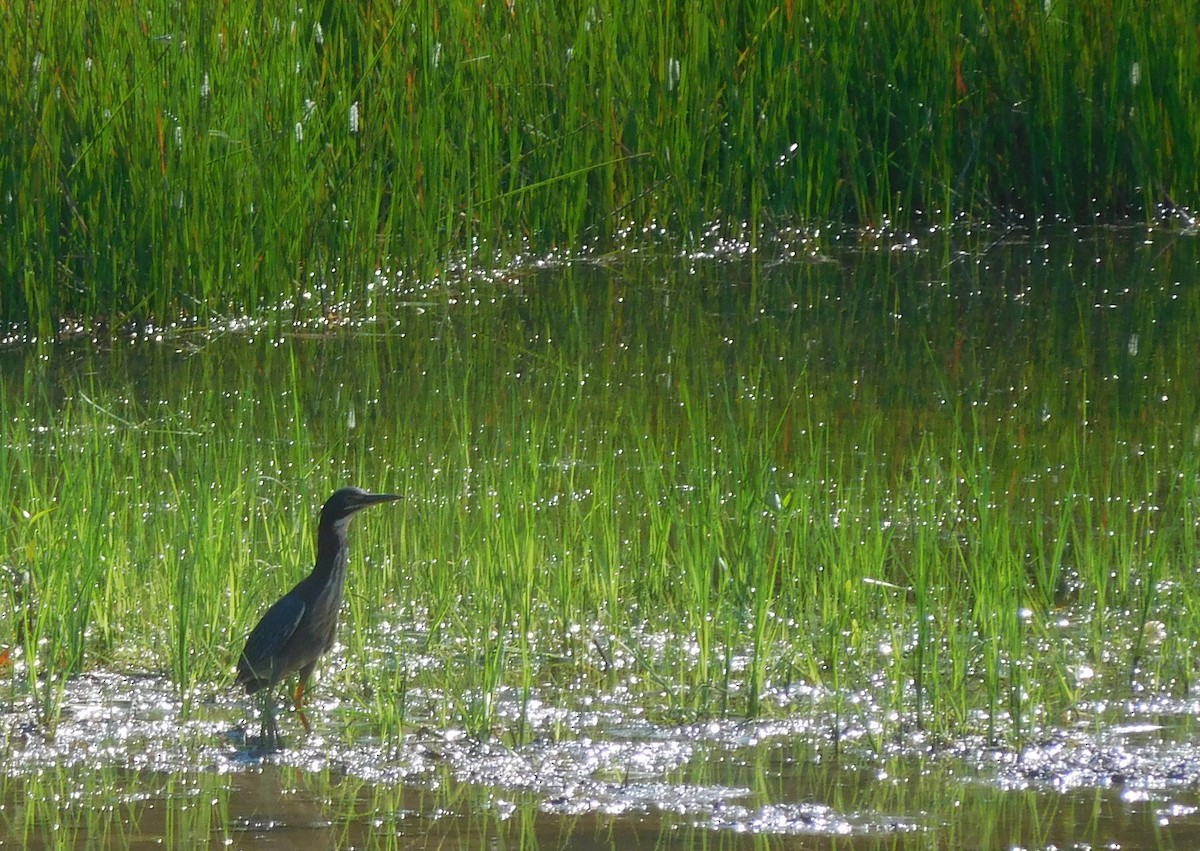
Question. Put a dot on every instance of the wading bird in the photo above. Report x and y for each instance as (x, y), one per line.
(299, 629)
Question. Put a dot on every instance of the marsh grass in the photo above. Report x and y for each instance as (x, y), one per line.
(612, 490)
(167, 164)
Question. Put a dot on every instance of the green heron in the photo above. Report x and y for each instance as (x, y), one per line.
(299, 629)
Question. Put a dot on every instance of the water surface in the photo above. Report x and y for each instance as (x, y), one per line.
(546, 421)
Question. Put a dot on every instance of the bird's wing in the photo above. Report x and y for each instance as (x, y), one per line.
(267, 639)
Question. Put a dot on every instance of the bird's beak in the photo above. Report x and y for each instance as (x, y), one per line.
(374, 498)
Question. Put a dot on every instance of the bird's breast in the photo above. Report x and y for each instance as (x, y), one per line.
(325, 617)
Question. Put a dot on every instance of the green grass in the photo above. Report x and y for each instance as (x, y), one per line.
(165, 164)
(652, 489)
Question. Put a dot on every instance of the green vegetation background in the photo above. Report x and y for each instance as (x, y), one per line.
(166, 159)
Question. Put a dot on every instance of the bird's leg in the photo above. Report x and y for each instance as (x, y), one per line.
(301, 685)
(270, 733)
(269, 730)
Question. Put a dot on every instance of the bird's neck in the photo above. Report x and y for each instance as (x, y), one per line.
(332, 551)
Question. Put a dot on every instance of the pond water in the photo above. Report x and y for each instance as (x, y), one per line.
(125, 770)
(571, 705)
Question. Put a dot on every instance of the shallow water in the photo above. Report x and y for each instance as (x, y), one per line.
(581, 759)
(127, 768)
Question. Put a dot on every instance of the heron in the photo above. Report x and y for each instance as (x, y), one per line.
(299, 628)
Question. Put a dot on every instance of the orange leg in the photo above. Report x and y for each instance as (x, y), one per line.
(298, 699)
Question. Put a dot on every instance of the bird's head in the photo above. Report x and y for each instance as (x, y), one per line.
(349, 501)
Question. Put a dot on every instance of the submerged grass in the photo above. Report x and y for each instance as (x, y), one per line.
(165, 163)
(691, 497)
